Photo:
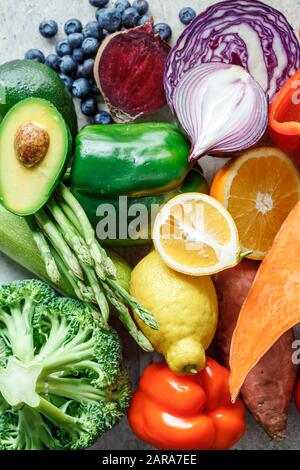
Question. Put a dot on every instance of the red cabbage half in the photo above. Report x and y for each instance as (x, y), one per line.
(240, 32)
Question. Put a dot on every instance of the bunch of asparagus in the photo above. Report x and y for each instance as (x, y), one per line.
(67, 244)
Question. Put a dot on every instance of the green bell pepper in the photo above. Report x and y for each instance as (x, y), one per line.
(118, 221)
(132, 159)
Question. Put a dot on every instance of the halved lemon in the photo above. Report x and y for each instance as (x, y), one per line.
(259, 189)
(195, 235)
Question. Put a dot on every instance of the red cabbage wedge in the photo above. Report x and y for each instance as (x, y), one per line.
(221, 108)
(240, 32)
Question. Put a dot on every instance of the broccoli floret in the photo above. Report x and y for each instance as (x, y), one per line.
(26, 429)
(61, 380)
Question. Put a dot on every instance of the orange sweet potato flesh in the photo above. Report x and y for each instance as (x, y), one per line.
(268, 389)
(272, 306)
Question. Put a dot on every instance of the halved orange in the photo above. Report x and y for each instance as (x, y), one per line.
(259, 189)
(195, 235)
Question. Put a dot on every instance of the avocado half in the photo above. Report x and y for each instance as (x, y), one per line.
(35, 144)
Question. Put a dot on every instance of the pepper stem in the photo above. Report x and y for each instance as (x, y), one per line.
(191, 369)
(245, 254)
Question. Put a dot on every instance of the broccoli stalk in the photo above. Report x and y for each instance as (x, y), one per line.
(61, 380)
(71, 388)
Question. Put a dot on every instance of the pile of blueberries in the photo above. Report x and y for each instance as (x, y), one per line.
(75, 55)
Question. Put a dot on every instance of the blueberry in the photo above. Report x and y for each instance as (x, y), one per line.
(89, 107)
(68, 66)
(63, 48)
(78, 55)
(48, 29)
(90, 46)
(163, 30)
(92, 30)
(109, 19)
(81, 88)
(103, 118)
(130, 17)
(36, 55)
(186, 15)
(94, 88)
(121, 5)
(75, 39)
(142, 6)
(68, 81)
(143, 20)
(88, 68)
(79, 73)
(98, 3)
(73, 26)
(53, 62)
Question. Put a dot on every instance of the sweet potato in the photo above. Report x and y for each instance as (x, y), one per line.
(272, 306)
(268, 389)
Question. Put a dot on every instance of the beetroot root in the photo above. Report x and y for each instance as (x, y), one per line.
(129, 70)
(268, 389)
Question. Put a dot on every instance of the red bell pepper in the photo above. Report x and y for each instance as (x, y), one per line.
(284, 116)
(191, 412)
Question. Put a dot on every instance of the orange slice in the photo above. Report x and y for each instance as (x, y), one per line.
(259, 189)
(195, 235)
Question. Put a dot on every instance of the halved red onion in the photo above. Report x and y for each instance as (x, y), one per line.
(221, 108)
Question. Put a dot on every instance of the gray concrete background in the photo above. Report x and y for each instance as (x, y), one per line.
(19, 22)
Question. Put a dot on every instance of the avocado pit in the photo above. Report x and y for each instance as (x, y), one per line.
(31, 144)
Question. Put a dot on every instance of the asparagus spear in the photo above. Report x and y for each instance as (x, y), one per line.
(138, 310)
(67, 273)
(82, 291)
(68, 213)
(69, 232)
(109, 266)
(58, 242)
(67, 175)
(44, 250)
(98, 292)
(87, 293)
(75, 222)
(102, 261)
(124, 316)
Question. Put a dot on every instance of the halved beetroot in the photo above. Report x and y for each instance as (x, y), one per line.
(129, 70)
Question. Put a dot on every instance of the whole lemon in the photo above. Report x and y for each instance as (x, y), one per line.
(185, 307)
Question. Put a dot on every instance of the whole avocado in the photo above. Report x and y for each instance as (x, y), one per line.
(25, 79)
